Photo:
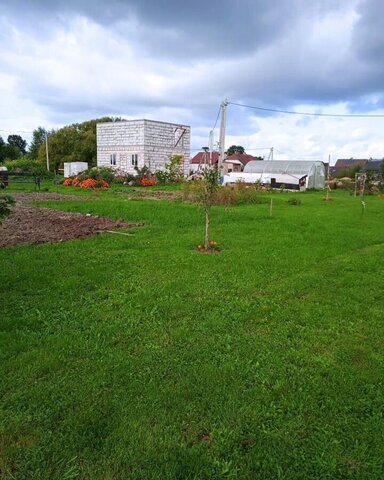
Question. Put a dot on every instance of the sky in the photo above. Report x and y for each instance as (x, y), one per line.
(63, 62)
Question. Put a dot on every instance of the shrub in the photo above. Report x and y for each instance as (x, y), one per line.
(120, 179)
(6, 202)
(26, 165)
(97, 173)
(173, 172)
(225, 195)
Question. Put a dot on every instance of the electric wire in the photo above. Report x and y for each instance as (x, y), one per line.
(313, 114)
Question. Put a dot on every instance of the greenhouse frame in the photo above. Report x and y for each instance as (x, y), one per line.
(291, 174)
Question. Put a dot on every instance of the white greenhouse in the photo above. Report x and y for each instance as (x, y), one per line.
(288, 174)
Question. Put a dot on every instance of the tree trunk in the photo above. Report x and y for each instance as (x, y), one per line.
(207, 224)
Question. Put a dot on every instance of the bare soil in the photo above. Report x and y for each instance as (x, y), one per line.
(31, 225)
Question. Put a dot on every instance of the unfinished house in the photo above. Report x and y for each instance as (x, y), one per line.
(137, 143)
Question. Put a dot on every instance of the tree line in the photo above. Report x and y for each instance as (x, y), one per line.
(72, 143)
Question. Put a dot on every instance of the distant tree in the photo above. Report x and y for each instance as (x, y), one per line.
(18, 142)
(73, 143)
(349, 172)
(235, 149)
(38, 139)
(2, 150)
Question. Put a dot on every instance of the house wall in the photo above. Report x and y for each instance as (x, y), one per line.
(153, 142)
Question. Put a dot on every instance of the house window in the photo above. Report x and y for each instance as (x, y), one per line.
(112, 158)
(134, 159)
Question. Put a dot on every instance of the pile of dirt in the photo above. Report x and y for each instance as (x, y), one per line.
(32, 225)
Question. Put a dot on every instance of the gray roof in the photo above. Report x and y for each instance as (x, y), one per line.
(373, 166)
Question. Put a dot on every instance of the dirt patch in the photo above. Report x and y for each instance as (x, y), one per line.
(31, 225)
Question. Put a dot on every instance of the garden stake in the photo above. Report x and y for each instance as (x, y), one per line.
(270, 208)
(117, 233)
(362, 207)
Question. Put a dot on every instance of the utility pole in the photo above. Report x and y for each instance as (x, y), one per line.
(222, 134)
(210, 146)
(46, 149)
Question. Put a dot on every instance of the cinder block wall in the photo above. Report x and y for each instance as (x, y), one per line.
(152, 141)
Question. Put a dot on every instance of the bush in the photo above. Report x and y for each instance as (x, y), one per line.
(173, 172)
(97, 173)
(239, 195)
(6, 202)
(26, 165)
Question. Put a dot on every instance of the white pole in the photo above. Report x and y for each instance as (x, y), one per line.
(222, 134)
(328, 187)
(210, 146)
(46, 149)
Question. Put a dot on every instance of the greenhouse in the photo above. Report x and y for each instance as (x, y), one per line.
(289, 174)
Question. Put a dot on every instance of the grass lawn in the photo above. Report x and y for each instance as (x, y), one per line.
(138, 358)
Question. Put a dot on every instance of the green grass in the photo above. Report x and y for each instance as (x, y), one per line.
(139, 358)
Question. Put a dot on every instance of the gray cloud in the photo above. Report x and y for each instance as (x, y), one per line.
(162, 59)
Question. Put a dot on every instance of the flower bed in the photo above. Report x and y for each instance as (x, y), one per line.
(147, 182)
(89, 183)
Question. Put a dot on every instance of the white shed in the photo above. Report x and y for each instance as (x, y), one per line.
(74, 168)
(293, 174)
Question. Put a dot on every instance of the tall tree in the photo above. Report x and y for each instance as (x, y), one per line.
(73, 143)
(18, 142)
(2, 149)
(38, 139)
(235, 149)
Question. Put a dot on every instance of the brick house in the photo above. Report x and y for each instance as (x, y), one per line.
(137, 143)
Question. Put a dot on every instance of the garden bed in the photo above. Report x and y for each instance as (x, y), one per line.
(32, 225)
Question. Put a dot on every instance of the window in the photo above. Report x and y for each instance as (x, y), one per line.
(112, 158)
(134, 159)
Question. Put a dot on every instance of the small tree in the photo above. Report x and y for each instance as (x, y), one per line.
(207, 189)
(6, 202)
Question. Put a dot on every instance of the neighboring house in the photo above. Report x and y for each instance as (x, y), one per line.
(346, 164)
(137, 143)
(201, 159)
(374, 168)
(233, 163)
(237, 162)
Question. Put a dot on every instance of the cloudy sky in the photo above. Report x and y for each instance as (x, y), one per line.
(68, 61)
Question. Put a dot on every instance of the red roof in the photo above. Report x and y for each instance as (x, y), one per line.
(199, 158)
(350, 162)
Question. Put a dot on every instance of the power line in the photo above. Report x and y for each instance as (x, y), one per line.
(217, 118)
(349, 115)
(17, 131)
